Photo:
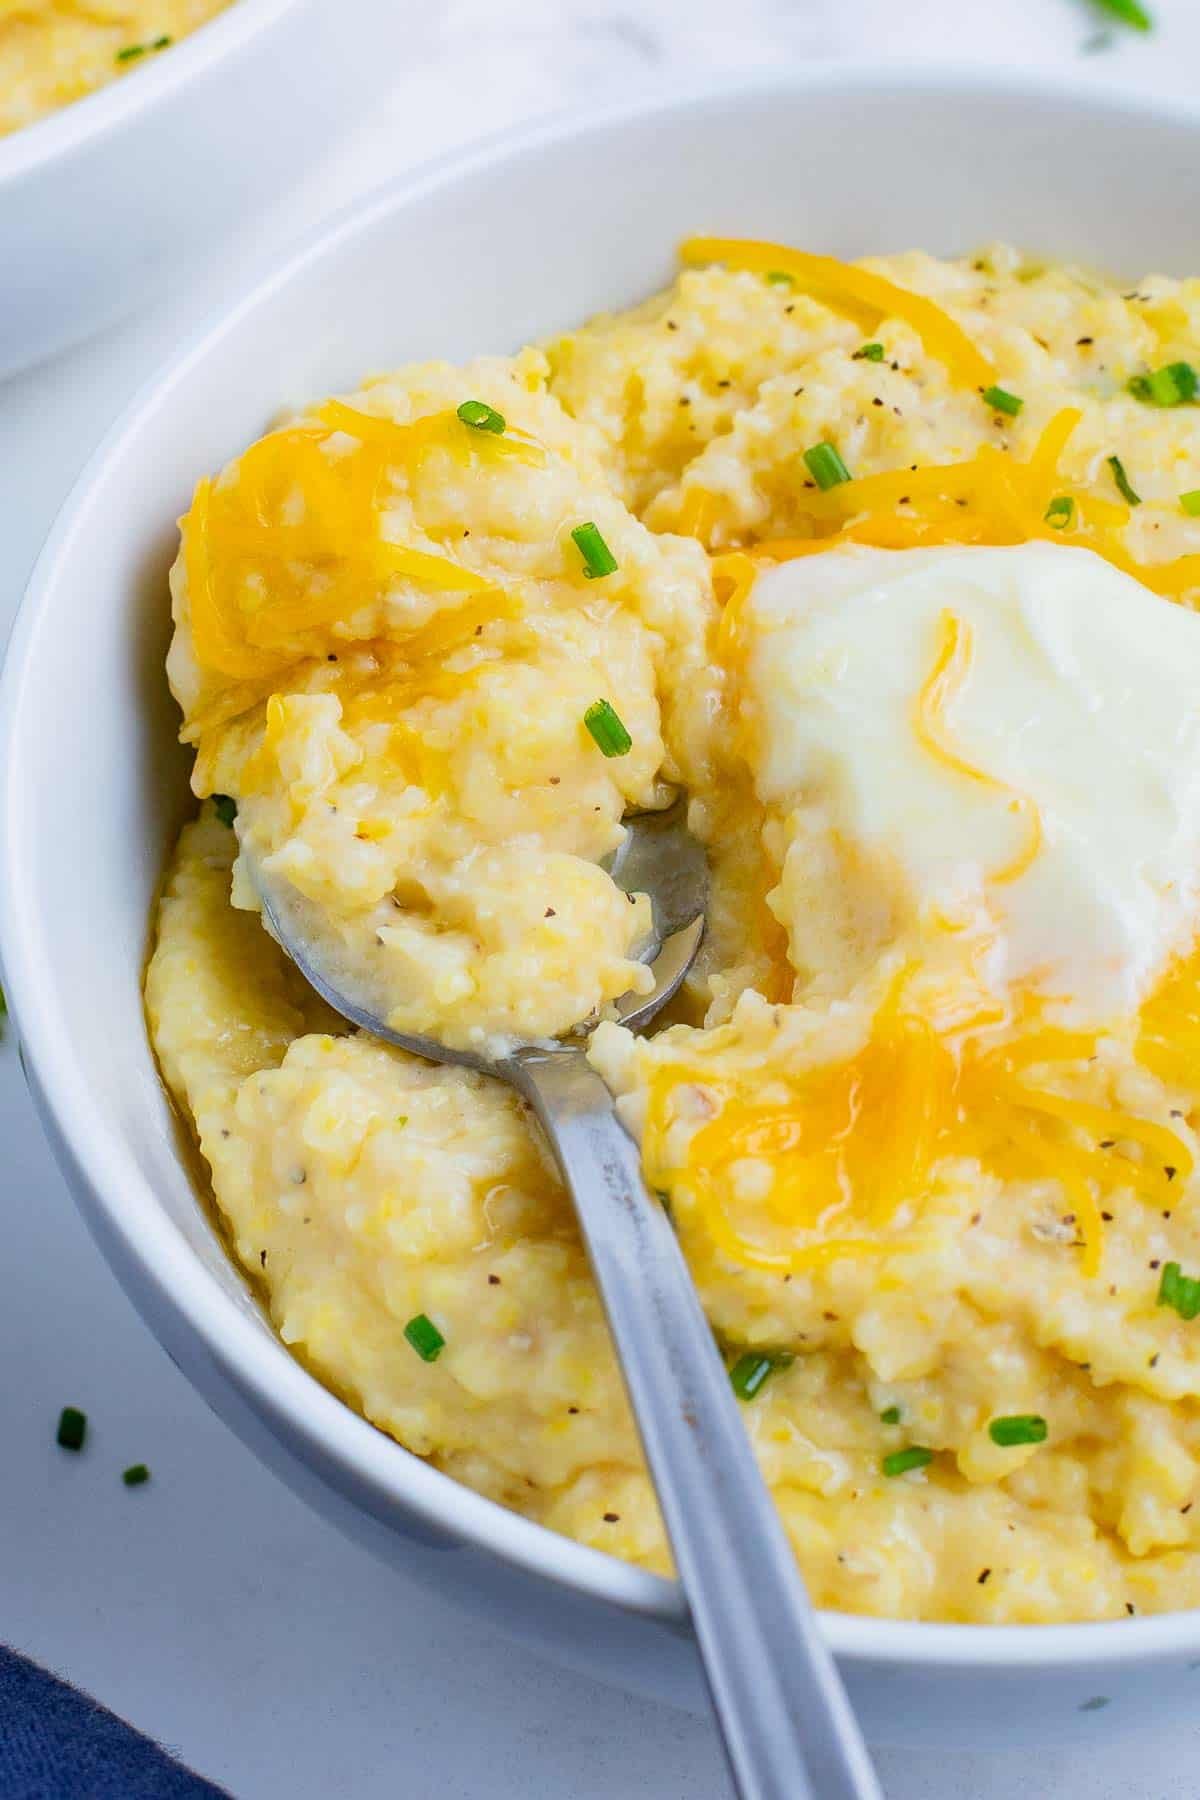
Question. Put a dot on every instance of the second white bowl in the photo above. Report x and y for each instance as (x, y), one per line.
(119, 194)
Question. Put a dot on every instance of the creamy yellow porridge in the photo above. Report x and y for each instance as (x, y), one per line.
(892, 569)
(55, 51)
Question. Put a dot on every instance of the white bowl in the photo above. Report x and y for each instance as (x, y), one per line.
(484, 253)
(108, 200)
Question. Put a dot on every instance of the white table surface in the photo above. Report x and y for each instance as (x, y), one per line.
(211, 1608)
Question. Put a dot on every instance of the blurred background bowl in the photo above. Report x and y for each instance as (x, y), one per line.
(119, 195)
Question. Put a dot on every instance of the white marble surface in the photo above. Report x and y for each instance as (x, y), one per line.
(210, 1607)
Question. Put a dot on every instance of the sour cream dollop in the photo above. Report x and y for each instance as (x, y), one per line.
(1003, 742)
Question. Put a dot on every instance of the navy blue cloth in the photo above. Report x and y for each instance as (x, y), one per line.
(57, 1744)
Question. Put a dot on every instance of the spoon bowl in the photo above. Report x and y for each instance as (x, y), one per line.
(658, 856)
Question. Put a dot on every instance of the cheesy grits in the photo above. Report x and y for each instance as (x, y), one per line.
(893, 569)
(55, 51)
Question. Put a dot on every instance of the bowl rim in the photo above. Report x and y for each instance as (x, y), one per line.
(79, 124)
(380, 1469)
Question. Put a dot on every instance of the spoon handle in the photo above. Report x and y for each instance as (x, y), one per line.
(788, 1728)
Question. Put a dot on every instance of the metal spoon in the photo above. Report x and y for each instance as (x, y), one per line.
(786, 1722)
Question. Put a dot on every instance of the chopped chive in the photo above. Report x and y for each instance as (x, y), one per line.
(899, 1462)
(869, 353)
(1173, 385)
(609, 733)
(1019, 1428)
(1180, 1291)
(72, 1428)
(1129, 12)
(136, 1475)
(826, 466)
(1190, 503)
(890, 1415)
(425, 1337)
(225, 808)
(749, 1373)
(1060, 512)
(1000, 400)
(779, 278)
(1122, 481)
(481, 417)
(598, 559)
(132, 51)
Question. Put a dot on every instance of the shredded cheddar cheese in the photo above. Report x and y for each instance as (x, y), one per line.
(992, 498)
(857, 1145)
(948, 675)
(290, 545)
(856, 291)
(1169, 1025)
